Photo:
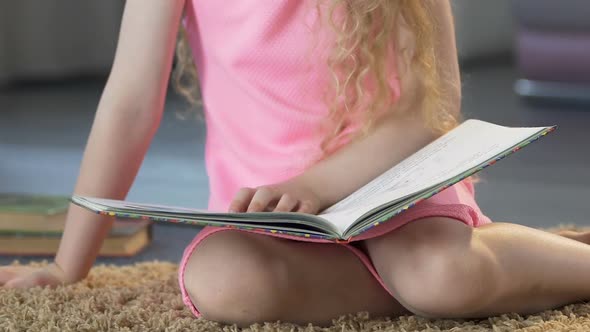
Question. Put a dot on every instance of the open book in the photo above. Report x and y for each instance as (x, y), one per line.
(460, 153)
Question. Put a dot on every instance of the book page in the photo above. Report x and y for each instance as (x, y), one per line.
(465, 147)
(118, 204)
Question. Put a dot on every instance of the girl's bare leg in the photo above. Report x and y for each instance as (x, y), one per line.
(580, 236)
(242, 278)
(439, 267)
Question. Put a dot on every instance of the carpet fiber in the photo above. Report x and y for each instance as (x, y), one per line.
(145, 297)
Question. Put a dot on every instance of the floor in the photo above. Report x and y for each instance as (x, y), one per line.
(43, 128)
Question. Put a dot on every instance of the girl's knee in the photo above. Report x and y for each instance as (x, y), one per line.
(447, 286)
(233, 277)
(442, 271)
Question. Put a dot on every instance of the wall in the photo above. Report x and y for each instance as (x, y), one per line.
(48, 39)
(483, 27)
(57, 38)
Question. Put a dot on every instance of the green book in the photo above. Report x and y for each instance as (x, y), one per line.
(45, 215)
(20, 203)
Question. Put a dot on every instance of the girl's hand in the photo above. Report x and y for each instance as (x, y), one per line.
(26, 276)
(282, 197)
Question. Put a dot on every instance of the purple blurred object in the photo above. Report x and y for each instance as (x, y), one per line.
(554, 55)
(553, 48)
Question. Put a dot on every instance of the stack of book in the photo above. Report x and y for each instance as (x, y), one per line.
(34, 224)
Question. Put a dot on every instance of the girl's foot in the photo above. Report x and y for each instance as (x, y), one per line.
(581, 236)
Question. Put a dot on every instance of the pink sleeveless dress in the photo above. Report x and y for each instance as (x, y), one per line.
(263, 74)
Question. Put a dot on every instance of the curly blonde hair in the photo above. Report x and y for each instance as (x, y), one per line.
(360, 61)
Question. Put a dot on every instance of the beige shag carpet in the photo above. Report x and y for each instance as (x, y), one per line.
(145, 297)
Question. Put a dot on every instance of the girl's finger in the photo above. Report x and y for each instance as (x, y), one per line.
(307, 207)
(286, 204)
(242, 200)
(18, 283)
(40, 278)
(261, 199)
(6, 274)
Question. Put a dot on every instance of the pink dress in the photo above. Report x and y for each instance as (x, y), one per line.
(263, 74)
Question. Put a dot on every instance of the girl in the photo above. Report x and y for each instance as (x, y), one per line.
(306, 101)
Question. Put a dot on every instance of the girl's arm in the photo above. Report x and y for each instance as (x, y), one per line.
(394, 139)
(398, 136)
(127, 117)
